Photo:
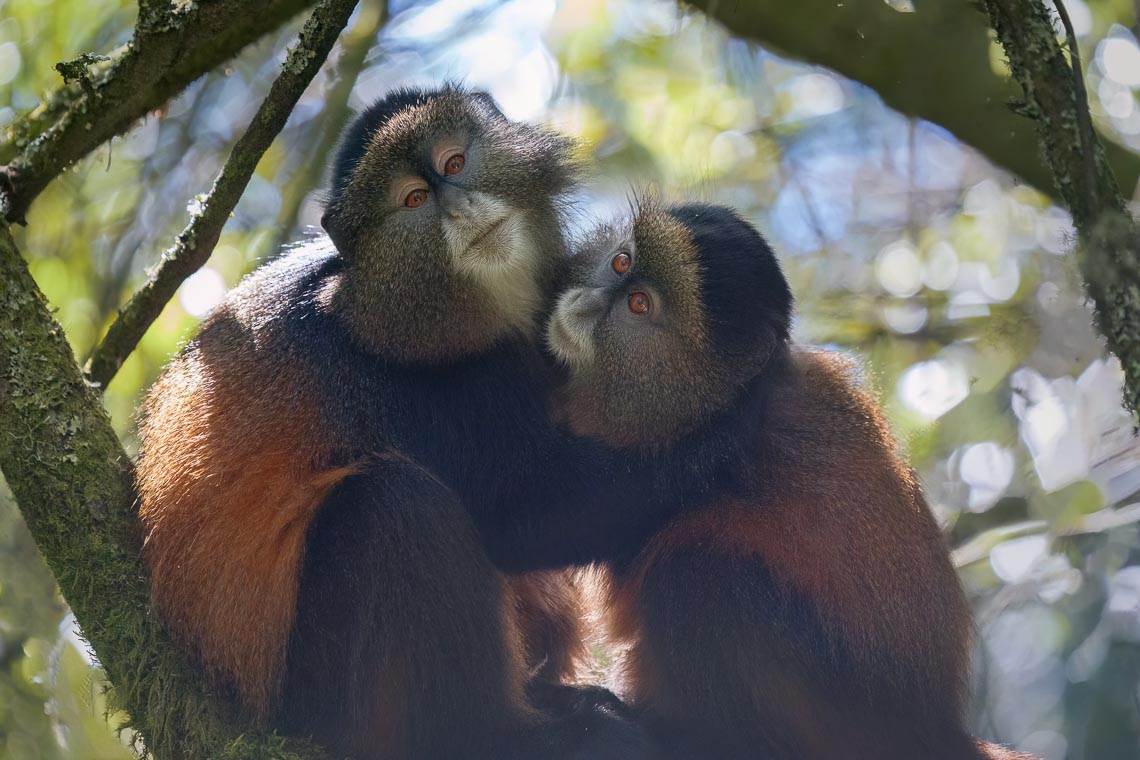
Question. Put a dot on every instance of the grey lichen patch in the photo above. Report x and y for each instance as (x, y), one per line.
(163, 17)
(75, 70)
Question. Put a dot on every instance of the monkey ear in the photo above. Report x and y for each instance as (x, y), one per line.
(335, 231)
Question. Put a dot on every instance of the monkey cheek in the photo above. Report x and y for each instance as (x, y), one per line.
(570, 341)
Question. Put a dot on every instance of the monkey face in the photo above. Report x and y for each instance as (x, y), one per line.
(448, 216)
(668, 315)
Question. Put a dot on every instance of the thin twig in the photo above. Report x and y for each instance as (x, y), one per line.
(1084, 119)
(1102, 521)
(123, 261)
(196, 242)
(356, 44)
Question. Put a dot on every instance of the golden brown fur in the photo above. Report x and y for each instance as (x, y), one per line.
(230, 482)
(315, 467)
(801, 603)
(855, 551)
(228, 485)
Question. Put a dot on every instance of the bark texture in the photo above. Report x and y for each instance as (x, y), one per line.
(72, 482)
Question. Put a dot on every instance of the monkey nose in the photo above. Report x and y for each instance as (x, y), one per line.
(456, 204)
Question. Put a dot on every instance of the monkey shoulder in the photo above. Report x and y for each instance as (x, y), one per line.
(276, 302)
(832, 379)
(822, 412)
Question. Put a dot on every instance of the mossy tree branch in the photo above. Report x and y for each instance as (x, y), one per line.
(307, 173)
(172, 46)
(1109, 238)
(197, 240)
(933, 63)
(72, 480)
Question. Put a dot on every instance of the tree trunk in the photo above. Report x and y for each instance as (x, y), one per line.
(71, 480)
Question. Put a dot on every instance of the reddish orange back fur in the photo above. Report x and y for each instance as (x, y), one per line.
(229, 480)
(844, 523)
(848, 523)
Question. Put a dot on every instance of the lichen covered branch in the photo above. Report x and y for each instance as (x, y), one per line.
(173, 45)
(196, 242)
(1109, 238)
(933, 63)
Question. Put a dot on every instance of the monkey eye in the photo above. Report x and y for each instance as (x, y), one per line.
(454, 165)
(639, 302)
(416, 198)
(621, 263)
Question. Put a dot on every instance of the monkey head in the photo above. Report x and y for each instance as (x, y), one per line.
(448, 218)
(668, 314)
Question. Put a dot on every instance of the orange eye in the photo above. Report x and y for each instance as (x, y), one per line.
(639, 303)
(621, 263)
(454, 165)
(416, 198)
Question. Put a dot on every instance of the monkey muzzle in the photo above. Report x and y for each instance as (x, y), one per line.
(482, 231)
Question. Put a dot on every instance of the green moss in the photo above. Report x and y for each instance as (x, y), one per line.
(71, 480)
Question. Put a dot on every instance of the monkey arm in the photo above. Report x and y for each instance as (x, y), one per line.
(586, 503)
(407, 639)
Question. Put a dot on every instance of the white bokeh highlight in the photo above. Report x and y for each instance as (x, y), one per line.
(201, 292)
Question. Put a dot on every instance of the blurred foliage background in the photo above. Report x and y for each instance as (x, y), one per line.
(947, 277)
